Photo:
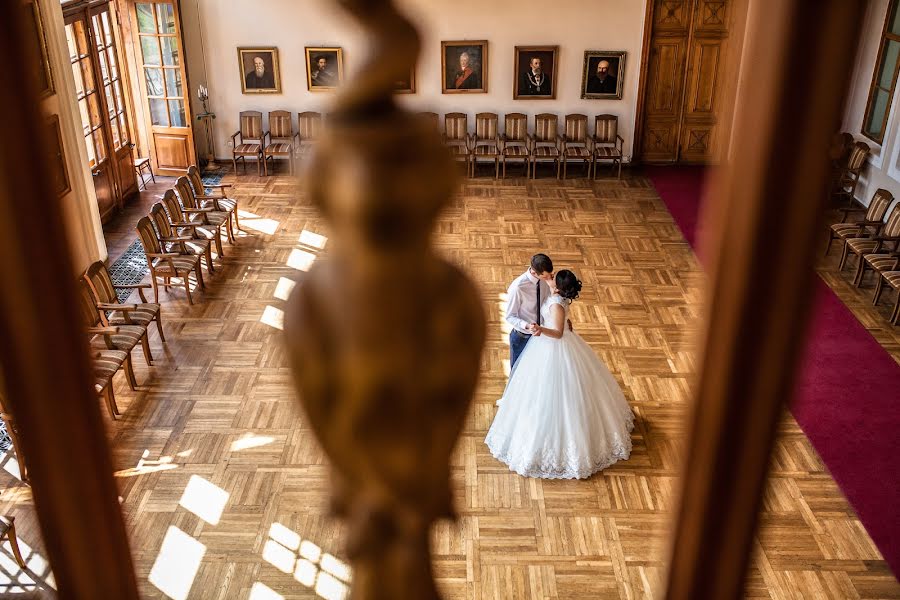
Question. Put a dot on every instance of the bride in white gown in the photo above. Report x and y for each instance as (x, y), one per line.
(562, 416)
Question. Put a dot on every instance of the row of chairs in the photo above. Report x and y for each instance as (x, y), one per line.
(281, 142)
(875, 242)
(546, 144)
(179, 231)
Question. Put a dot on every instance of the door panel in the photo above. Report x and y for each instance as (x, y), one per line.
(127, 178)
(172, 152)
(106, 192)
(665, 84)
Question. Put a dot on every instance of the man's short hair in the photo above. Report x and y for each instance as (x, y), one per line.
(322, 57)
(541, 263)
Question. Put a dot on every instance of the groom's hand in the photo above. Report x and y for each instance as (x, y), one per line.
(535, 329)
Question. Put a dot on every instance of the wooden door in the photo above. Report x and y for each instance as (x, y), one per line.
(163, 84)
(683, 81)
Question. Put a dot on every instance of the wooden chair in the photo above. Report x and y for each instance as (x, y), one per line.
(181, 220)
(892, 278)
(575, 143)
(251, 142)
(486, 141)
(883, 241)
(515, 140)
(433, 119)
(309, 128)
(141, 163)
(456, 137)
(848, 175)
(870, 223)
(283, 142)
(607, 143)
(167, 264)
(105, 364)
(121, 337)
(218, 200)
(8, 530)
(12, 430)
(207, 215)
(182, 244)
(112, 312)
(544, 143)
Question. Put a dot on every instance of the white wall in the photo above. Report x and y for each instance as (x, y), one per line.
(574, 25)
(884, 164)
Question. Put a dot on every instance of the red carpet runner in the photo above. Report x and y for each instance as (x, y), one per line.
(847, 399)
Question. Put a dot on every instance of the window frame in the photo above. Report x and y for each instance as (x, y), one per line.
(886, 36)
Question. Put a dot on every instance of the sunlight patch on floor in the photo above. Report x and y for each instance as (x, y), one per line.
(273, 317)
(260, 591)
(301, 259)
(145, 466)
(324, 573)
(14, 580)
(313, 240)
(177, 564)
(249, 440)
(257, 223)
(284, 288)
(204, 499)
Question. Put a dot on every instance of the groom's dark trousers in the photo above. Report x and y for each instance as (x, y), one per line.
(517, 341)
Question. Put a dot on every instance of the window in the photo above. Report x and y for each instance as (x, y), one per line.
(86, 91)
(162, 63)
(884, 79)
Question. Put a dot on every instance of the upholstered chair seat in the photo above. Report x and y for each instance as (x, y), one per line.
(217, 199)
(869, 224)
(249, 140)
(607, 143)
(891, 278)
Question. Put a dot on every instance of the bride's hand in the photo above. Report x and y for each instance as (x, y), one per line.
(538, 330)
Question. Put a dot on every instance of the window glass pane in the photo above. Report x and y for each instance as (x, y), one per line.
(176, 113)
(166, 15)
(146, 22)
(107, 30)
(889, 63)
(173, 82)
(150, 50)
(123, 129)
(79, 82)
(110, 103)
(97, 30)
(158, 114)
(85, 119)
(117, 87)
(103, 70)
(94, 110)
(895, 22)
(70, 41)
(154, 82)
(111, 62)
(88, 74)
(114, 129)
(878, 113)
(169, 51)
(99, 145)
(89, 144)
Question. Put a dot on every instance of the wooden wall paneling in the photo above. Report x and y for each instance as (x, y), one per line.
(62, 432)
(767, 206)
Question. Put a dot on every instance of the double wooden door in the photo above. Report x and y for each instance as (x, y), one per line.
(684, 79)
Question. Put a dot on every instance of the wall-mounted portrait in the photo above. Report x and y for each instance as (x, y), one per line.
(259, 70)
(44, 75)
(535, 72)
(406, 85)
(603, 75)
(464, 65)
(324, 68)
(57, 160)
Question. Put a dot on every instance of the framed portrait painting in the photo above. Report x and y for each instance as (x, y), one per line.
(259, 70)
(406, 85)
(36, 32)
(464, 67)
(57, 160)
(535, 72)
(603, 74)
(324, 69)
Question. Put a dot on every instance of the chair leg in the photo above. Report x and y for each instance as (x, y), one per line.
(209, 261)
(155, 288)
(828, 246)
(619, 175)
(860, 271)
(218, 239)
(564, 169)
(557, 168)
(159, 327)
(895, 316)
(129, 371)
(234, 162)
(148, 357)
(237, 222)
(844, 257)
(879, 287)
(200, 282)
(187, 288)
(111, 401)
(14, 543)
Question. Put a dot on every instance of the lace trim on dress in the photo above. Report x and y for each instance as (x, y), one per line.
(549, 467)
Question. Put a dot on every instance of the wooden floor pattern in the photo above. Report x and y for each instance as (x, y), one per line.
(224, 488)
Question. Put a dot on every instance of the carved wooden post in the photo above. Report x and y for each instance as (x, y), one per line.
(384, 336)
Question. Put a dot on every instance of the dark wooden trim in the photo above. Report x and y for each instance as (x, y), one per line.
(45, 364)
(893, 6)
(765, 206)
(637, 144)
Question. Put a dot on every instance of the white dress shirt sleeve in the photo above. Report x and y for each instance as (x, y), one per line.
(512, 308)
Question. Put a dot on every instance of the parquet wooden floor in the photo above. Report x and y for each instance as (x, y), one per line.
(224, 487)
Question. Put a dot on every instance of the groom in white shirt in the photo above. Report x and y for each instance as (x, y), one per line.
(523, 309)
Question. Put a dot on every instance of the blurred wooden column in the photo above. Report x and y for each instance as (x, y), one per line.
(763, 216)
(45, 366)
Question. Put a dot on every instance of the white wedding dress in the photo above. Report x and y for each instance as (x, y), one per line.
(563, 415)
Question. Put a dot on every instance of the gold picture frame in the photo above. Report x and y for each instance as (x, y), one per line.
(45, 75)
(259, 70)
(57, 157)
(464, 67)
(528, 86)
(611, 85)
(324, 68)
(406, 86)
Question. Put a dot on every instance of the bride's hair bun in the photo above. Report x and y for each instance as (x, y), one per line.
(568, 285)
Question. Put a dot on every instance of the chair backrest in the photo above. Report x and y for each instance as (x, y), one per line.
(515, 126)
(280, 126)
(148, 236)
(546, 127)
(173, 207)
(486, 126)
(185, 193)
(193, 174)
(251, 126)
(87, 305)
(309, 124)
(892, 226)
(881, 199)
(606, 128)
(100, 282)
(161, 220)
(840, 147)
(858, 155)
(432, 118)
(576, 128)
(456, 126)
